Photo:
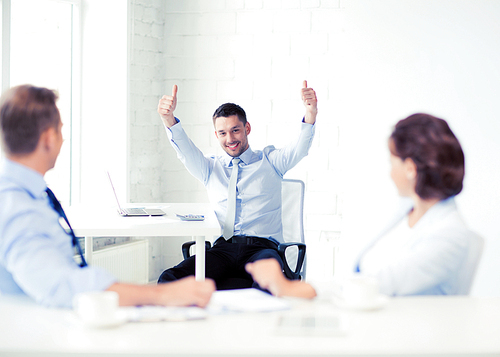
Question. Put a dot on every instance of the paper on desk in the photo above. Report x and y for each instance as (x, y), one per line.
(162, 313)
(245, 300)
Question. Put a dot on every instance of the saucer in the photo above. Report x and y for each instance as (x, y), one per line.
(379, 302)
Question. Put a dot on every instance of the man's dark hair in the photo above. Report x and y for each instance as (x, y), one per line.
(228, 109)
(25, 113)
(431, 144)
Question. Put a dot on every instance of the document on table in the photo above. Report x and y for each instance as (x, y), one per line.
(245, 300)
(222, 302)
(162, 313)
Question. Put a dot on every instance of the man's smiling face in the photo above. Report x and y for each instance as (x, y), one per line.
(232, 134)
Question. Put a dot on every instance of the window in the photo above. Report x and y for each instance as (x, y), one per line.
(44, 51)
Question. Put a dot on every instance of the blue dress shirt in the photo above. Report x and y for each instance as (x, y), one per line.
(258, 190)
(36, 254)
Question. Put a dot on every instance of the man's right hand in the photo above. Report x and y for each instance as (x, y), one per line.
(185, 292)
(166, 107)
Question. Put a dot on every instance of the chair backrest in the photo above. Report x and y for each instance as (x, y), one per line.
(469, 268)
(292, 215)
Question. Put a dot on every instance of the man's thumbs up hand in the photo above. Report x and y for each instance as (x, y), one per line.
(310, 102)
(166, 107)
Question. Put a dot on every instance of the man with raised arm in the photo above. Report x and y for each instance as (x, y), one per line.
(244, 186)
(36, 252)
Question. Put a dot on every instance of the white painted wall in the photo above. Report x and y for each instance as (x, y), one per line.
(104, 111)
(371, 63)
(440, 57)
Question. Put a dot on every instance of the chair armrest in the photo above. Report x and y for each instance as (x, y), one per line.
(293, 275)
(187, 245)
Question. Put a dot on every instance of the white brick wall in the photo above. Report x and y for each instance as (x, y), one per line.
(368, 65)
(254, 53)
(147, 70)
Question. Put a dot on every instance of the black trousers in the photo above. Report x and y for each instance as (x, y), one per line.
(226, 259)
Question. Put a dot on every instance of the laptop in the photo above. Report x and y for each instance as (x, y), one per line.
(126, 212)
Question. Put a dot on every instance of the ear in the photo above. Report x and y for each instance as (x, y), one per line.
(410, 169)
(46, 139)
(216, 135)
(248, 128)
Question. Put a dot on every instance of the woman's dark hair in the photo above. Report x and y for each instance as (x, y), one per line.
(439, 158)
(228, 109)
(25, 113)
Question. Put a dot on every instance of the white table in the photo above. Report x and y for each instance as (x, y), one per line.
(417, 326)
(98, 221)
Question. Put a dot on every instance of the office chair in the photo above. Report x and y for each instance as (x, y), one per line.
(469, 268)
(292, 251)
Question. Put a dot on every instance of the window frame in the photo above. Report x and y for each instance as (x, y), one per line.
(76, 78)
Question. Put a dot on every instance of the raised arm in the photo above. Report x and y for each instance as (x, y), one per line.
(192, 157)
(310, 102)
(288, 156)
(166, 108)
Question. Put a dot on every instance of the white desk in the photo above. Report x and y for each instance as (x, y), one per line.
(98, 221)
(422, 326)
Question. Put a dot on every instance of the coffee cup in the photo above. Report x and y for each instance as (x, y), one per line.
(97, 308)
(360, 290)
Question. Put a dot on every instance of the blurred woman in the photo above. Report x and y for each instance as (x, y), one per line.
(424, 249)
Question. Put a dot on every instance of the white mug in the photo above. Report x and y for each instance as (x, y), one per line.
(360, 290)
(97, 308)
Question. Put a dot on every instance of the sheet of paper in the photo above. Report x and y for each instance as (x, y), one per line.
(245, 300)
(162, 313)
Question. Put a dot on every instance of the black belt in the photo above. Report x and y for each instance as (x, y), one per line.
(249, 240)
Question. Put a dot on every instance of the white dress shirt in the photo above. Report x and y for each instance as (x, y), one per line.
(258, 190)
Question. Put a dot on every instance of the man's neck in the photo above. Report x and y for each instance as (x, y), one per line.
(31, 161)
(240, 155)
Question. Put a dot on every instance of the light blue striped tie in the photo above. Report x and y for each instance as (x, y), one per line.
(231, 201)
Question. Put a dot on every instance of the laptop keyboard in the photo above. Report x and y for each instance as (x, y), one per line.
(134, 210)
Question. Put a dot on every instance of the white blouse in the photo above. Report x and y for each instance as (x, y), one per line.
(394, 243)
(427, 259)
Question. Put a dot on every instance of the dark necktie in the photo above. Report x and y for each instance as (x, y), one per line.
(58, 208)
